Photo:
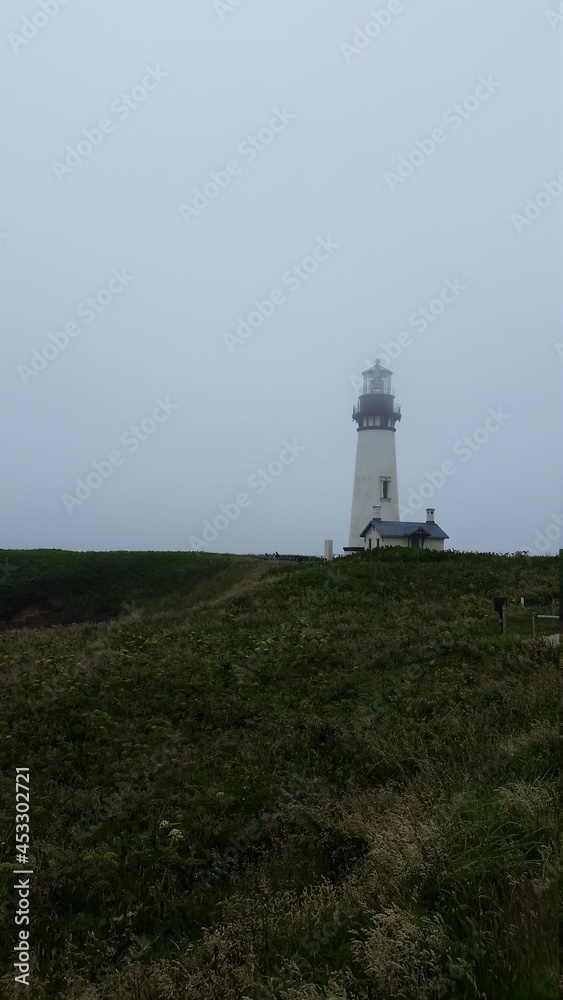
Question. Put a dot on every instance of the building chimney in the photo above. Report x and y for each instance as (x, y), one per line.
(377, 513)
(430, 511)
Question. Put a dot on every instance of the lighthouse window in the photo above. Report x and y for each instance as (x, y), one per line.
(385, 489)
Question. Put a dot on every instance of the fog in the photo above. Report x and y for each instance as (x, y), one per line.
(217, 215)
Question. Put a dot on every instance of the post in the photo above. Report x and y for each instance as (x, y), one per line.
(500, 604)
(533, 624)
(328, 549)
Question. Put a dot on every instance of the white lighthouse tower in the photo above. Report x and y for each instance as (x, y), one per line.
(375, 478)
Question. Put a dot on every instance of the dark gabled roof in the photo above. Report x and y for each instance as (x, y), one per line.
(402, 529)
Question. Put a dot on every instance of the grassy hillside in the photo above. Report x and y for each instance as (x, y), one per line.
(49, 587)
(298, 781)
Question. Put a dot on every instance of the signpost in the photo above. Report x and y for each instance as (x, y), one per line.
(500, 605)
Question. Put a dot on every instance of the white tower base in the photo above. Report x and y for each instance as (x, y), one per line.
(376, 465)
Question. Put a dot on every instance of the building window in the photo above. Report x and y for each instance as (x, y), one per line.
(385, 489)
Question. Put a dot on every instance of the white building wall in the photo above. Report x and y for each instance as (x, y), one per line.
(384, 542)
(373, 534)
(375, 458)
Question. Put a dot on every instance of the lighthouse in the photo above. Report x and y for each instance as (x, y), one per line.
(375, 477)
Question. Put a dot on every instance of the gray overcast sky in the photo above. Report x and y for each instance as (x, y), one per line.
(117, 112)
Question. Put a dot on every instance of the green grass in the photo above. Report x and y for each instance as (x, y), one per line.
(292, 780)
(57, 587)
